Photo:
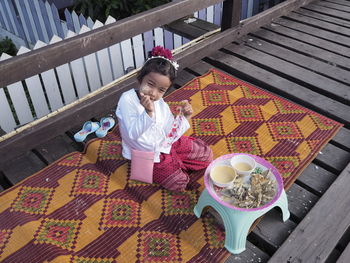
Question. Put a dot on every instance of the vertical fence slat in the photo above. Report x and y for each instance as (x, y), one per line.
(168, 39)
(2, 20)
(177, 41)
(25, 21)
(82, 20)
(91, 66)
(139, 52)
(31, 19)
(79, 76)
(36, 92)
(127, 54)
(76, 22)
(50, 84)
(89, 22)
(19, 99)
(65, 78)
(39, 22)
(256, 6)
(69, 20)
(55, 17)
(9, 13)
(250, 8)
(149, 43)
(48, 25)
(210, 14)
(6, 17)
(217, 14)
(159, 36)
(244, 10)
(103, 61)
(115, 55)
(7, 121)
(17, 21)
(202, 14)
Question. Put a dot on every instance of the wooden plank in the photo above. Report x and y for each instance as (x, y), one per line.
(50, 84)
(341, 2)
(128, 58)
(305, 34)
(316, 236)
(344, 258)
(335, 158)
(158, 36)
(139, 53)
(78, 71)
(295, 73)
(335, 6)
(36, 92)
(320, 33)
(281, 86)
(65, 79)
(342, 139)
(40, 24)
(56, 19)
(271, 231)
(70, 49)
(25, 23)
(231, 13)
(7, 120)
(56, 148)
(186, 27)
(302, 54)
(320, 24)
(103, 61)
(316, 178)
(308, 11)
(49, 24)
(19, 168)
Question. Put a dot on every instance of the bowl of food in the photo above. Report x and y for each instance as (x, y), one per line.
(223, 175)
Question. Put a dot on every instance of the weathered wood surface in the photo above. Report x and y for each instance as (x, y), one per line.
(319, 178)
(319, 232)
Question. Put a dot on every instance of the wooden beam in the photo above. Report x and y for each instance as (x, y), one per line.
(231, 14)
(63, 121)
(53, 55)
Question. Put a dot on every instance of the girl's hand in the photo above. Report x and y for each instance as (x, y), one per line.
(186, 109)
(147, 103)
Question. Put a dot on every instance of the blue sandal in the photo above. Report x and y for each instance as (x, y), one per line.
(106, 124)
(88, 128)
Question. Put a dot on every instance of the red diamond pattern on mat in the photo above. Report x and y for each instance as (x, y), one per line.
(207, 127)
(110, 150)
(223, 80)
(215, 97)
(243, 145)
(285, 165)
(247, 113)
(61, 233)
(179, 203)
(213, 234)
(158, 247)
(32, 200)
(284, 130)
(71, 160)
(121, 213)
(322, 123)
(254, 93)
(89, 182)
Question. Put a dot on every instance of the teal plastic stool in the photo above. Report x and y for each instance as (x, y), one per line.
(237, 221)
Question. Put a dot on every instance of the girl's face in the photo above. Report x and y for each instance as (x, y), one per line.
(154, 85)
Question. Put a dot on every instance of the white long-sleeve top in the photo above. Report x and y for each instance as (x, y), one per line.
(141, 132)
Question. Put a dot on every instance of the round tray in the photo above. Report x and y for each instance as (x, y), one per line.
(260, 162)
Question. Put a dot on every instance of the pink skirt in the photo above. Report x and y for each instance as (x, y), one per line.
(186, 154)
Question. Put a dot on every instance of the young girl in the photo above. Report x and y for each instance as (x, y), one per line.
(147, 124)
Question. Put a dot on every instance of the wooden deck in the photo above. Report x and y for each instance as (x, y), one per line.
(304, 57)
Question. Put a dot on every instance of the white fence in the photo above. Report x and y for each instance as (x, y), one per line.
(38, 23)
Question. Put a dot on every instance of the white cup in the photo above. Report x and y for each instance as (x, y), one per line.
(223, 175)
(243, 164)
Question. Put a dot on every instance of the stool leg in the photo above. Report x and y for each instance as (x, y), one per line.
(237, 225)
(282, 202)
(204, 200)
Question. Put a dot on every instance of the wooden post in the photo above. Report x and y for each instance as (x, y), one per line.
(231, 14)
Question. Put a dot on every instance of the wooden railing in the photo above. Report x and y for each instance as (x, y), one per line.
(40, 60)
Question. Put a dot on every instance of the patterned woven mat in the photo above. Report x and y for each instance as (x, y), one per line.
(83, 208)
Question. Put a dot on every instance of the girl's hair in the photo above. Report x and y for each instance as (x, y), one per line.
(157, 65)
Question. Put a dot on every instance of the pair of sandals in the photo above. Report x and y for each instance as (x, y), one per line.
(100, 129)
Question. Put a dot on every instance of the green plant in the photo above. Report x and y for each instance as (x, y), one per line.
(101, 9)
(7, 46)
